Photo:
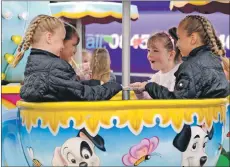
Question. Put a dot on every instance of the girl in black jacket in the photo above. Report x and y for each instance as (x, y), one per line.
(201, 74)
(49, 78)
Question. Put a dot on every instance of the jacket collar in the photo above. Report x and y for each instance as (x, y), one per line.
(195, 51)
(43, 52)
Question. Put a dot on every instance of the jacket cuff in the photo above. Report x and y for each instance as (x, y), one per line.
(147, 86)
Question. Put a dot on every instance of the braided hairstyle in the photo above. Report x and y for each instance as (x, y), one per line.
(38, 25)
(169, 43)
(225, 60)
(100, 65)
(201, 25)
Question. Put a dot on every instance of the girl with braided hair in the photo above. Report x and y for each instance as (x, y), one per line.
(201, 74)
(47, 77)
(100, 65)
(42, 28)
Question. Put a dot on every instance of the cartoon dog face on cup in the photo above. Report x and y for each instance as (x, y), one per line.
(79, 151)
(191, 141)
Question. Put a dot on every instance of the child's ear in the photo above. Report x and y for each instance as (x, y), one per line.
(172, 55)
(48, 37)
(193, 38)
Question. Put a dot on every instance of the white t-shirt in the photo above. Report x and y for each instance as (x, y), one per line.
(164, 79)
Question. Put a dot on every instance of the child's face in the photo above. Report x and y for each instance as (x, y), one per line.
(184, 42)
(86, 57)
(158, 56)
(56, 41)
(70, 48)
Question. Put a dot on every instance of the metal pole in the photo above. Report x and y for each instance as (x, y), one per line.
(125, 48)
(78, 56)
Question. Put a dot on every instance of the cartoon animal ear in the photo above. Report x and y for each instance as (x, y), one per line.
(182, 139)
(98, 141)
(210, 134)
(57, 158)
(82, 135)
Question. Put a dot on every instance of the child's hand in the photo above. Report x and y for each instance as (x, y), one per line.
(135, 85)
(84, 71)
(142, 86)
(138, 87)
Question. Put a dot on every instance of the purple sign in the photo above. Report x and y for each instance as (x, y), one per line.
(109, 35)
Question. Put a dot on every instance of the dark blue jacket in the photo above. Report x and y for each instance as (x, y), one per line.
(199, 76)
(49, 78)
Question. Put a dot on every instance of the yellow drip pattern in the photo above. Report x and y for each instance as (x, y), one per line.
(134, 113)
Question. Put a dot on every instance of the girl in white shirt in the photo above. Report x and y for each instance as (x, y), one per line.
(163, 58)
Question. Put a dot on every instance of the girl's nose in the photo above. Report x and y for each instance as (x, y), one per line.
(148, 56)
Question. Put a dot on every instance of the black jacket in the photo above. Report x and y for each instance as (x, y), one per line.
(49, 78)
(200, 76)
